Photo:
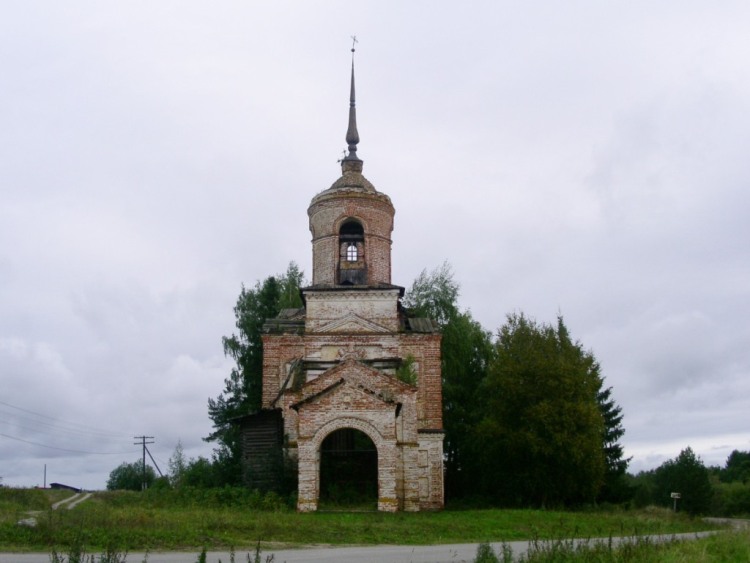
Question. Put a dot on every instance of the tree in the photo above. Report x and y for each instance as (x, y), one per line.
(642, 486)
(686, 475)
(615, 488)
(243, 388)
(129, 476)
(177, 465)
(737, 467)
(468, 353)
(465, 351)
(201, 473)
(434, 295)
(541, 431)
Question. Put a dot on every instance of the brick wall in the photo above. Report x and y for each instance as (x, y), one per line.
(352, 310)
(329, 211)
(280, 350)
(352, 395)
(347, 331)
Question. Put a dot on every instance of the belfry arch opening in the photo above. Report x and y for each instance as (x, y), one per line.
(348, 471)
(352, 269)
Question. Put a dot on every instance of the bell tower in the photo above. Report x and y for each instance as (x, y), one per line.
(351, 224)
(353, 366)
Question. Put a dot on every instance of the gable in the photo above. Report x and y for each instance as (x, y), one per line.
(352, 323)
(351, 372)
(348, 396)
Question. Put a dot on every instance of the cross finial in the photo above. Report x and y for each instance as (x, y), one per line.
(354, 42)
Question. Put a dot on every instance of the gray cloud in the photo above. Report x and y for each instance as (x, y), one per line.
(584, 159)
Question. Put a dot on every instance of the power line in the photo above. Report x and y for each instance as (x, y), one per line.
(74, 426)
(50, 428)
(63, 449)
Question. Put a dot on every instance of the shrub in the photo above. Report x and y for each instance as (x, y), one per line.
(485, 554)
(731, 499)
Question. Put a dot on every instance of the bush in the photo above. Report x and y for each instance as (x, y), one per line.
(731, 499)
(190, 497)
(130, 477)
(485, 554)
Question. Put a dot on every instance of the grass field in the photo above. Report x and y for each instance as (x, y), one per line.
(724, 547)
(221, 519)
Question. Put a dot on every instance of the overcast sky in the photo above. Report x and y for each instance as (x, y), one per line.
(586, 158)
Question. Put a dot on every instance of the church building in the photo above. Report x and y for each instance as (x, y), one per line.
(353, 379)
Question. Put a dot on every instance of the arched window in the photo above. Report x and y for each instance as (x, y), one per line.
(352, 269)
(352, 238)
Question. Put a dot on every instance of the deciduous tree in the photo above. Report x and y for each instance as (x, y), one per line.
(541, 432)
(465, 351)
(129, 476)
(177, 464)
(737, 467)
(434, 295)
(686, 475)
(243, 387)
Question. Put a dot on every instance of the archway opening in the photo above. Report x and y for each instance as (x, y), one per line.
(352, 269)
(348, 471)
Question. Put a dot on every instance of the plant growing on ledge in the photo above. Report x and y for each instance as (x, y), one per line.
(407, 371)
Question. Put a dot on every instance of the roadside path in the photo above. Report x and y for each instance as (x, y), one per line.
(736, 523)
(454, 553)
(72, 501)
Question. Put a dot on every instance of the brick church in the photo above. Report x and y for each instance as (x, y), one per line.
(351, 380)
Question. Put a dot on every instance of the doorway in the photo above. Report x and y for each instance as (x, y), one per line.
(348, 471)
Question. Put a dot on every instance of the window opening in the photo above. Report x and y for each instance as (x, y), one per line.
(351, 252)
(352, 269)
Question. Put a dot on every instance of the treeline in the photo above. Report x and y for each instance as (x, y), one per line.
(528, 419)
(182, 473)
(718, 491)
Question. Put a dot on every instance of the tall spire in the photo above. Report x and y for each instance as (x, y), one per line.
(352, 136)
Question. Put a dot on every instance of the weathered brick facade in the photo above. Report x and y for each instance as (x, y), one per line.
(334, 364)
(351, 196)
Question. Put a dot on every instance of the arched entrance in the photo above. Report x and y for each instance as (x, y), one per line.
(348, 471)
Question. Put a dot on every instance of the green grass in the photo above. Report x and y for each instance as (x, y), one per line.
(722, 547)
(220, 519)
(726, 546)
(12, 499)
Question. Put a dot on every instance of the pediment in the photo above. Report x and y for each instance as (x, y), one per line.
(352, 323)
(376, 384)
(349, 395)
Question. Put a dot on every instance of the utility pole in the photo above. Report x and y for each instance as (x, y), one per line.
(143, 441)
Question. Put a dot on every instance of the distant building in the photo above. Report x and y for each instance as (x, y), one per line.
(351, 383)
(60, 486)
